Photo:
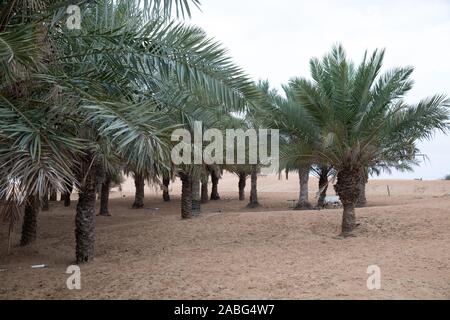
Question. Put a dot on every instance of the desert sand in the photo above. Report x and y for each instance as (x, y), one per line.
(229, 251)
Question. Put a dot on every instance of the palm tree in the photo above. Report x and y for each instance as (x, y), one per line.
(215, 173)
(139, 184)
(241, 184)
(242, 171)
(323, 172)
(108, 77)
(29, 227)
(363, 119)
(166, 183)
(204, 197)
(104, 196)
(297, 138)
(253, 187)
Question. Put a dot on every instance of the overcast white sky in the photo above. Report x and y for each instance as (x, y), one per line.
(274, 39)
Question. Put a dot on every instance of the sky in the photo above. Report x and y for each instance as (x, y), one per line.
(275, 40)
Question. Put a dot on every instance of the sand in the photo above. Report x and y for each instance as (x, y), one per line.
(231, 252)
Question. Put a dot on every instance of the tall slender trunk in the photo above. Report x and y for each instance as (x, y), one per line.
(66, 195)
(139, 183)
(85, 215)
(323, 186)
(303, 200)
(196, 207)
(45, 202)
(186, 196)
(53, 195)
(215, 182)
(204, 192)
(104, 196)
(253, 184)
(241, 185)
(362, 201)
(166, 183)
(29, 226)
(347, 187)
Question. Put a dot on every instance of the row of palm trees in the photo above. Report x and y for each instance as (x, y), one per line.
(79, 107)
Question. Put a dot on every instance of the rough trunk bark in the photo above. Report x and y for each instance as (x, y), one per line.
(241, 185)
(347, 187)
(53, 195)
(204, 192)
(166, 195)
(104, 196)
(303, 201)
(323, 186)
(362, 201)
(215, 182)
(186, 196)
(139, 183)
(253, 184)
(196, 207)
(348, 219)
(66, 195)
(85, 215)
(29, 226)
(45, 203)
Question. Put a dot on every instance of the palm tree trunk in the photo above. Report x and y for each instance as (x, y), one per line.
(303, 201)
(362, 201)
(347, 187)
(85, 215)
(166, 183)
(323, 186)
(45, 202)
(139, 183)
(196, 208)
(104, 196)
(66, 195)
(186, 196)
(53, 195)
(204, 192)
(253, 192)
(215, 182)
(29, 226)
(241, 185)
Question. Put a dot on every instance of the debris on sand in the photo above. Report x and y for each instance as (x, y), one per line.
(332, 202)
(39, 266)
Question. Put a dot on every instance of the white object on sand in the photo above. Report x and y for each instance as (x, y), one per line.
(38, 266)
(333, 200)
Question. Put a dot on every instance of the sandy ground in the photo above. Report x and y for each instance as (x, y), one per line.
(232, 252)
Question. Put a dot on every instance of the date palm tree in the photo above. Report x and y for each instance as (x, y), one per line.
(362, 118)
(107, 77)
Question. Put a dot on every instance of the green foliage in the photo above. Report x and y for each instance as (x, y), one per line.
(353, 116)
(115, 88)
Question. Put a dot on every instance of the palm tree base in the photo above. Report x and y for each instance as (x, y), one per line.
(253, 205)
(303, 206)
